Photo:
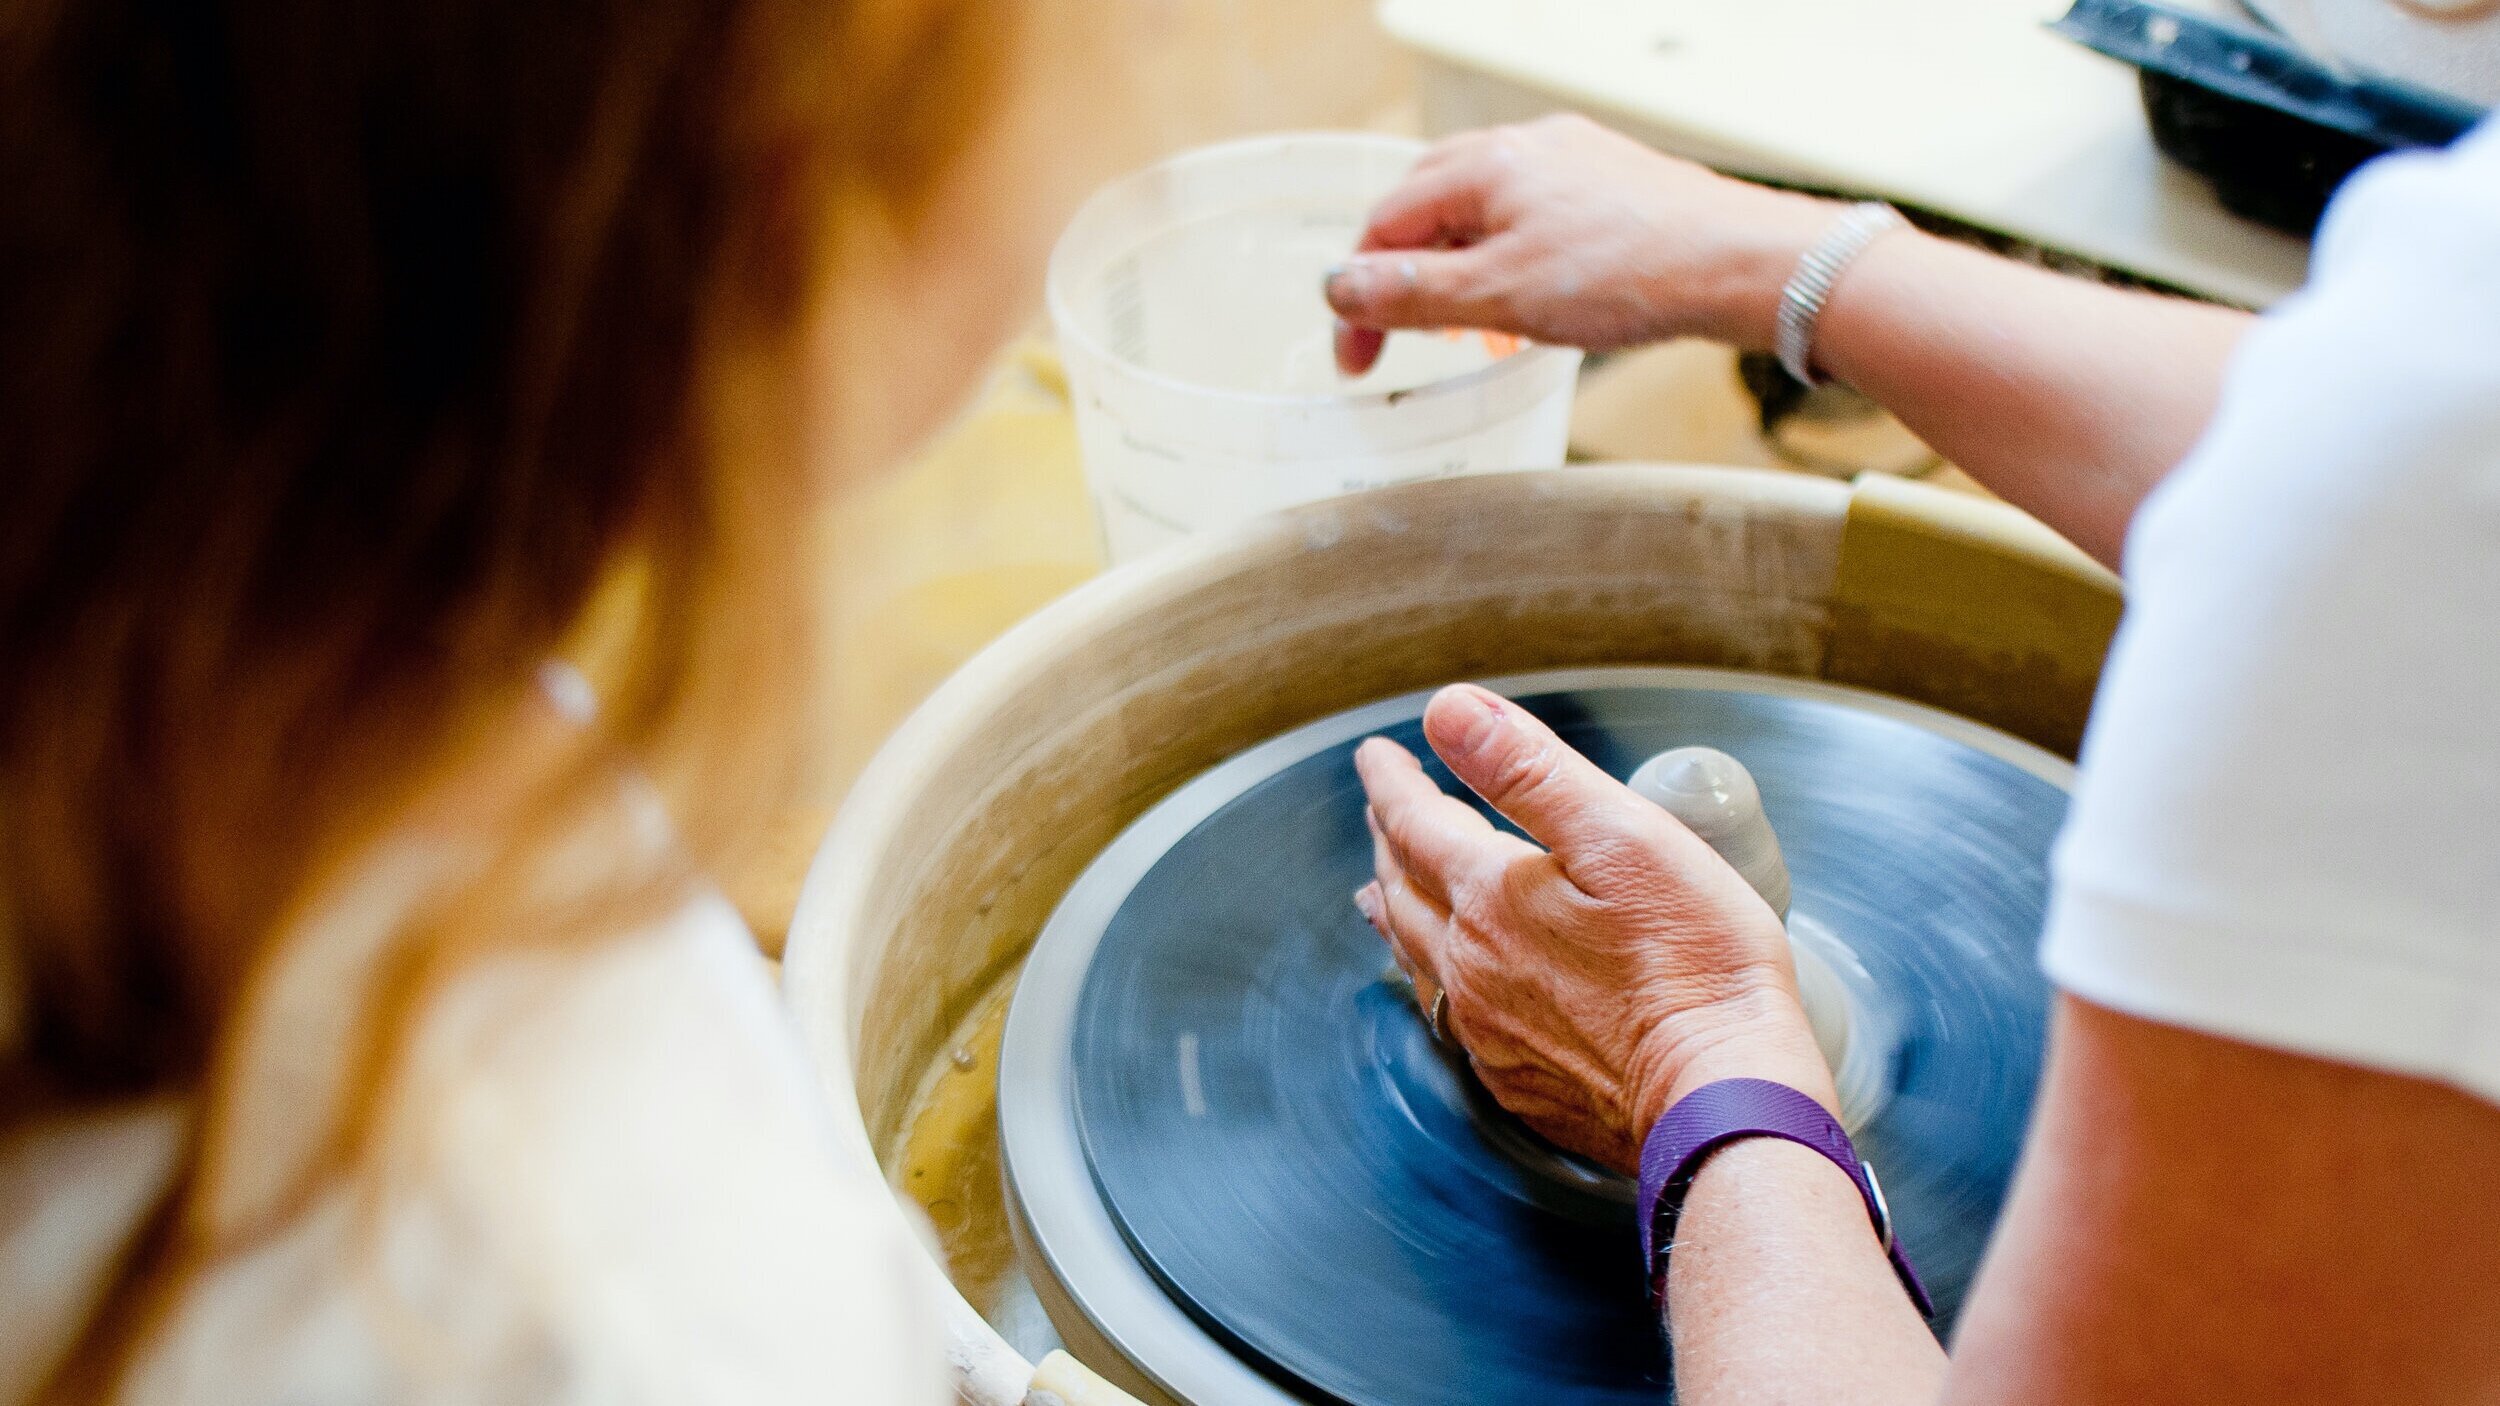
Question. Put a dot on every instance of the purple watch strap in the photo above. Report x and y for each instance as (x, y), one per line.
(1715, 1115)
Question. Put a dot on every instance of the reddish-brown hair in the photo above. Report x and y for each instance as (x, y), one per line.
(346, 352)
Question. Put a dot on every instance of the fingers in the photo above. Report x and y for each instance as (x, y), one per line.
(1443, 847)
(1414, 927)
(1562, 799)
(1441, 204)
(1357, 348)
(1415, 265)
(1427, 848)
(1414, 288)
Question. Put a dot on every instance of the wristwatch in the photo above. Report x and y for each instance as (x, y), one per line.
(1715, 1115)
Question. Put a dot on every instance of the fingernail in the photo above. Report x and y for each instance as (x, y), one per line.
(1357, 350)
(1367, 902)
(1485, 718)
(1347, 283)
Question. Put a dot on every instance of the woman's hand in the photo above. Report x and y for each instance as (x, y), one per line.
(1564, 232)
(1592, 981)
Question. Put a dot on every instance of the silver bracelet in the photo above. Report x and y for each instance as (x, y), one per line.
(1820, 267)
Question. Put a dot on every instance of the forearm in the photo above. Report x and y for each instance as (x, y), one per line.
(1778, 1292)
(1777, 1289)
(2067, 398)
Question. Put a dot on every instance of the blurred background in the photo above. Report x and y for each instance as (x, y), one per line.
(2151, 161)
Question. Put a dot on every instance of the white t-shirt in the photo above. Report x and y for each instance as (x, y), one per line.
(2288, 825)
(615, 1183)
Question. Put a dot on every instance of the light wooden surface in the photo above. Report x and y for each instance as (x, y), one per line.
(1967, 107)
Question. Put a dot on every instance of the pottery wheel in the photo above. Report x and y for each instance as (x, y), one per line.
(1233, 1144)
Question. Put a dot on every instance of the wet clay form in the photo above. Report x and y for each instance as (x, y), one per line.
(1713, 794)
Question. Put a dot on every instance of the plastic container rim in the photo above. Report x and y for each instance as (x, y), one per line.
(1065, 326)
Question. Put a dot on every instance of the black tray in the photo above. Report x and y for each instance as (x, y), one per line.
(2274, 130)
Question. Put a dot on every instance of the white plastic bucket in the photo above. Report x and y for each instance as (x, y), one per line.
(1187, 302)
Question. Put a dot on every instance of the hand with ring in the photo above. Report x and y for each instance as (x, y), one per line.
(1591, 980)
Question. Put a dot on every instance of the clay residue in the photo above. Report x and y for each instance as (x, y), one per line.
(947, 1162)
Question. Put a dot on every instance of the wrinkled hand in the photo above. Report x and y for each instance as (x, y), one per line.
(1594, 980)
(1563, 232)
